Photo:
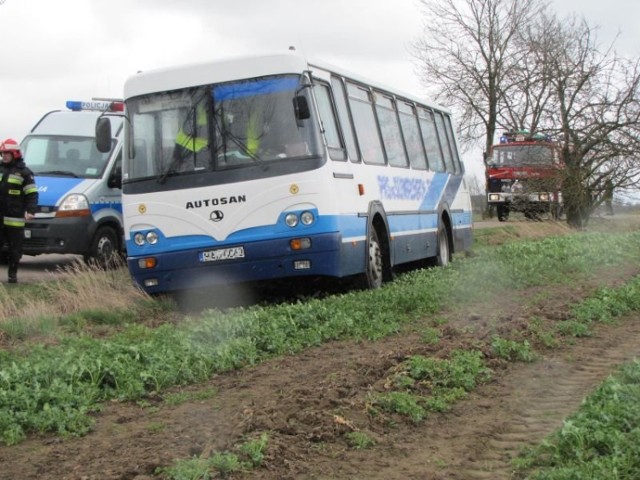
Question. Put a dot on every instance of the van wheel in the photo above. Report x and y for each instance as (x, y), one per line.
(104, 249)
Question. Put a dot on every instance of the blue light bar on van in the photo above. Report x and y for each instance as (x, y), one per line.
(78, 106)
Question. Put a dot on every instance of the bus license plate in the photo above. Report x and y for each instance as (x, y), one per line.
(222, 254)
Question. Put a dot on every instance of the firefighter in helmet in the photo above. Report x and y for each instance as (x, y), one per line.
(18, 202)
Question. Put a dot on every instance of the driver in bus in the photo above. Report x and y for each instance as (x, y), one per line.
(192, 141)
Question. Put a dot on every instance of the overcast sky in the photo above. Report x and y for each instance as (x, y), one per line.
(57, 50)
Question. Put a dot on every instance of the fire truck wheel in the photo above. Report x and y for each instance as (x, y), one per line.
(503, 213)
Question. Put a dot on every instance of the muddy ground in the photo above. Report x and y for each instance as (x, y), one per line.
(307, 402)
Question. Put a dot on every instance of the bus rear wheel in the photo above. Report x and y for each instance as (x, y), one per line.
(374, 270)
(444, 251)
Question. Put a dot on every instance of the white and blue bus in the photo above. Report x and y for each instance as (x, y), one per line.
(271, 167)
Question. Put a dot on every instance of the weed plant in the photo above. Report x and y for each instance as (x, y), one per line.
(54, 388)
(431, 384)
(601, 440)
(220, 464)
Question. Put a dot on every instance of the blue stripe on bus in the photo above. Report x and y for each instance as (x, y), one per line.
(233, 91)
(433, 195)
(352, 227)
(451, 191)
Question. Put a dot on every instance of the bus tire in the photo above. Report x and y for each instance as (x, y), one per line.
(103, 251)
(374, 268)
(443, 257)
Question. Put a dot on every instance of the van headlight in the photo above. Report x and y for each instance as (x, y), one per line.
(74, 205)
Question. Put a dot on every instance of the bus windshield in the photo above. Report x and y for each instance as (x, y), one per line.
(218, 127)
(64, 156)
(524, 155)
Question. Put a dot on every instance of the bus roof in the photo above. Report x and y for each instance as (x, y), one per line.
(328, 68)
(191, 75)
(248, 66)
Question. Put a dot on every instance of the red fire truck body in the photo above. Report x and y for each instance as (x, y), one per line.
(523, 176)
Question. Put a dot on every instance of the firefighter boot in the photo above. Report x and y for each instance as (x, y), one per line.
(13, 272)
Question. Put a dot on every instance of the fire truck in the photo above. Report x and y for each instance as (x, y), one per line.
(524, 175)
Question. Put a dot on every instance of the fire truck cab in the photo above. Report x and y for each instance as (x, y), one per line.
(523, 175)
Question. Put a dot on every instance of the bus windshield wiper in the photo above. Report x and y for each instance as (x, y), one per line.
(171, 168)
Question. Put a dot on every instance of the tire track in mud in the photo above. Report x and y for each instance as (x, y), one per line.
(544, 393)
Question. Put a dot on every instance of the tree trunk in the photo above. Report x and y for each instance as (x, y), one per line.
(576, 197)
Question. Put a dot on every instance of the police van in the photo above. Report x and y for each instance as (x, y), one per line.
(79, 187)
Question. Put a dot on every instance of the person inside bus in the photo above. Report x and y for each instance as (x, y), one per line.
(192, 141)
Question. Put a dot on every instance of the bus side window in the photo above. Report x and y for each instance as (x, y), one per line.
(442, 134)
(411, 132)
(345, 118)
(390, 128)
(329, 122)
(366, 125)
(431, 142)
(453, 145)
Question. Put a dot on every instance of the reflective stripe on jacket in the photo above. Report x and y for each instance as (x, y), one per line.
(18, 193)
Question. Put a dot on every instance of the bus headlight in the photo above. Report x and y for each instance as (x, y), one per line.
(152, 237)
(307, 218)
(544, 197)
(138, 239)
(291, 219)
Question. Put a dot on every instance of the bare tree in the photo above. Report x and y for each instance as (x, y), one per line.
(468, 55)
(511, 64)
(596, 110)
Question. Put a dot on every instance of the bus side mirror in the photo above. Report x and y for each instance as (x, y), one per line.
(103, 134)
(301, 107)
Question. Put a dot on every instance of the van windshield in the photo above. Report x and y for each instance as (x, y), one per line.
(64, 156)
